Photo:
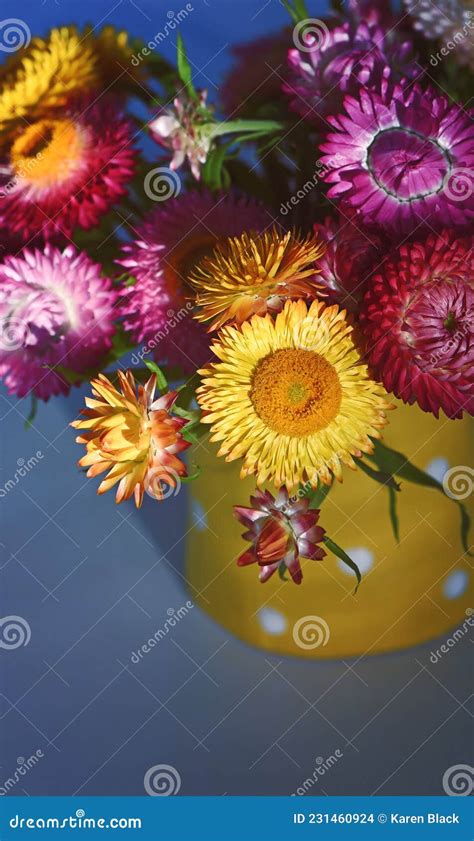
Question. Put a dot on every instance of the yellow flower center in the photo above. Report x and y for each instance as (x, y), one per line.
(48, 152)
(295, 392)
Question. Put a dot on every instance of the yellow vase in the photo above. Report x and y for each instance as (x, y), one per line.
(410, 592)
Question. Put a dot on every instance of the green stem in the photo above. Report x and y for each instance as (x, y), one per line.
(234, 126)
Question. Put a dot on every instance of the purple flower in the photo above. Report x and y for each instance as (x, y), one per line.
(350, 55)
(351, 255)
(403, 158)
(55, 310)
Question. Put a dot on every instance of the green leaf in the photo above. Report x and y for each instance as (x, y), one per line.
(297, 10)
(392, 510)
(301, 9)
(282, 570)
(212, 174)
(70, 376)
(186, 479)
(393, 461)
(344, 557)
(379, 476)
(32, 414)
(161, 381)
(319, 495)
(189, 414)
(247, 126)
(121, 344)
(194, 431)
(184, 67)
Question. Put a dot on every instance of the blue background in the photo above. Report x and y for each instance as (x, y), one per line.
(95, 581)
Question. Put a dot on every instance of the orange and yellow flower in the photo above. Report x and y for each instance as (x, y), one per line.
(63, 66)
(133, 436)
(253, 274)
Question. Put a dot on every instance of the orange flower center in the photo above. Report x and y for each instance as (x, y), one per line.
(48, 152)
(188, 253)
(295, 392)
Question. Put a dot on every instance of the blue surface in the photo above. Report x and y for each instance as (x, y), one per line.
(94, 582)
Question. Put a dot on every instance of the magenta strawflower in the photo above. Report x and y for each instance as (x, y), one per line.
(176, 236)
(282, 530)
(403, 158)
(55, 310)
(371, 11)
(352, 253)
(65, 171)
(339, 61)
(418, 320)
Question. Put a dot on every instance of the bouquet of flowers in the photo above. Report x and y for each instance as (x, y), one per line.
(275, 266)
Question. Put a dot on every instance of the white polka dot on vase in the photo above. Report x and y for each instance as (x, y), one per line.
(455, 584)
(437, 467)
(199, 515)
(272, 621)
(361, 556)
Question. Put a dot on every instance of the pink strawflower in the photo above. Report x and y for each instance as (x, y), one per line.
(352, 253)
(55, 310)
(333, 62)
(64, 172)
(371, 11)
(402, 158)
(418, 320)
(281, 530)
(157, 309)
(186, 130)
